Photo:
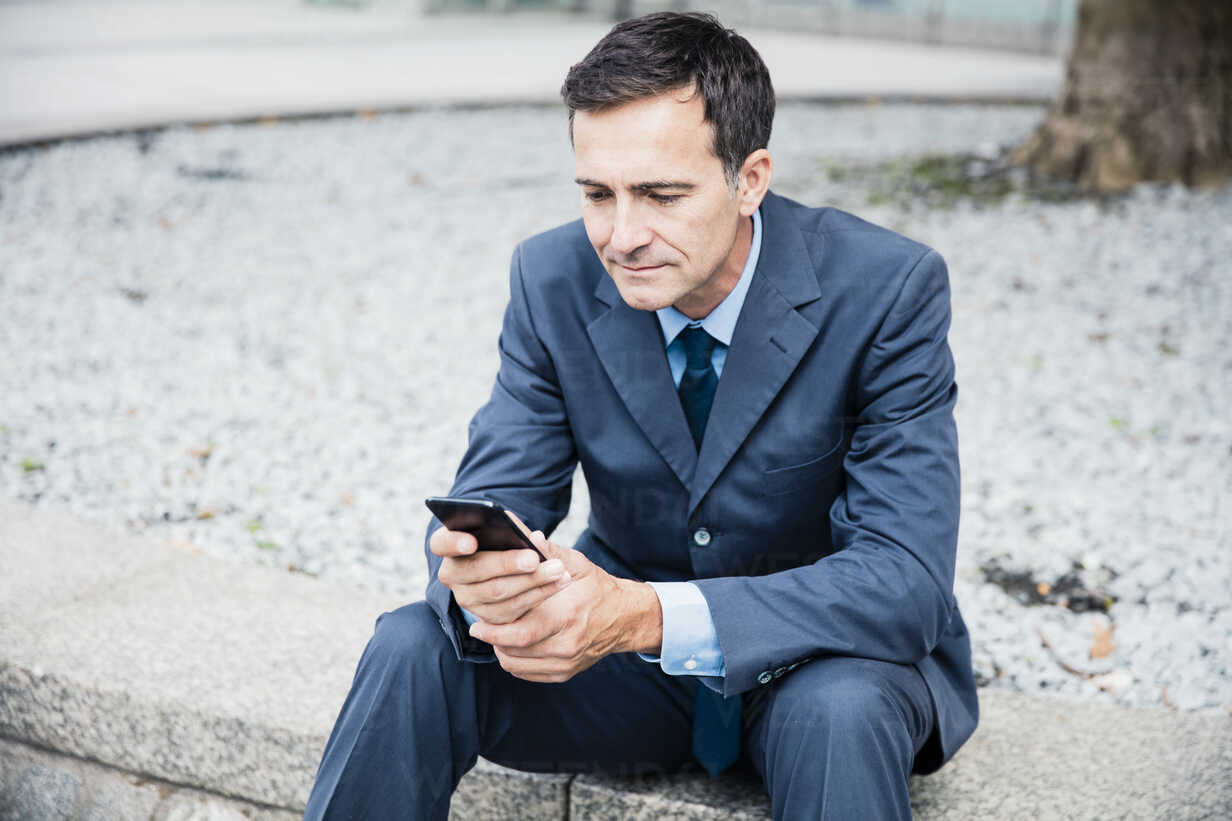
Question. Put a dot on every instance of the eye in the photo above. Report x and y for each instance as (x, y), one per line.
(596, 196)
(665, 199)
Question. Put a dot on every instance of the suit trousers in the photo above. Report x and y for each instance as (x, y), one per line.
(834, 738)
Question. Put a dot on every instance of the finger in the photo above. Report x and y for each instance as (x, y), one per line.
(517, 606)
(557, 645)
(492, 564)
(523, 633)
(535, 669)
(575, 560)
(528, 533)
(457, 572)
(445, 542)
(506, 587)
(503, 588)
(547, 548)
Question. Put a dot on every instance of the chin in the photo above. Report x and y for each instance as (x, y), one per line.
(642, 298)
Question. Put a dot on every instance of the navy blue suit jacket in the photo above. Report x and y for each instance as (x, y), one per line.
(827, 478)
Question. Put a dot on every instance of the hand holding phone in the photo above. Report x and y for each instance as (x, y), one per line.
(496, 582)
(487, 521)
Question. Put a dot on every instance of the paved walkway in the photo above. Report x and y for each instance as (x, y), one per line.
(70, 68)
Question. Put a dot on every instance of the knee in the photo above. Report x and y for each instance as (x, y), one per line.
(844, 696)
(836, 742)
(409, 633)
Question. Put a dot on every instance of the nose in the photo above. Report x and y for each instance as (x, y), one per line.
(630, 230)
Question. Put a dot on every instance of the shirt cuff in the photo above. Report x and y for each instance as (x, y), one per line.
(690, 645)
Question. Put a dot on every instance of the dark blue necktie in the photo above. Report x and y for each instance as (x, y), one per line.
(699, 380)
(716, 720)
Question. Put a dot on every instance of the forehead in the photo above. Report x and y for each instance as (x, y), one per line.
(661, 137)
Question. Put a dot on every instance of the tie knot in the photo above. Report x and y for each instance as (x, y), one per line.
(698, 346)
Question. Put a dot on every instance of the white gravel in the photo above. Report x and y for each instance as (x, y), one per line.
(266, 341)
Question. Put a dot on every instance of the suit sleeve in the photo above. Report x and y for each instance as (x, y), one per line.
(520, 451)
(886, 591)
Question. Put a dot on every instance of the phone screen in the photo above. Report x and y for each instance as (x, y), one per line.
(487, 521)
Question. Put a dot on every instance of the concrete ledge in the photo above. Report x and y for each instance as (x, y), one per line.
(134, 672)
(493, 793)
(734, 797)
(1038, 758)
(205, 673)
(36, 784)
(157, 663)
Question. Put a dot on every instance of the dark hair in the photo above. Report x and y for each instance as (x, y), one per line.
(666, 51)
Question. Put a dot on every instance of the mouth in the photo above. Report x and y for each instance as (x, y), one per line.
(640, 269)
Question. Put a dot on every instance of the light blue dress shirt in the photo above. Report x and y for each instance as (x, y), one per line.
(690, 645)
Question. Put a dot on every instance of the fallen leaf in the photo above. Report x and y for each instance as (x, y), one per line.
(1104, 643)
(1167, 701)
(1043, 588)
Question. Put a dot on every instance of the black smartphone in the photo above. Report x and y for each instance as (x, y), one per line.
(487, 521)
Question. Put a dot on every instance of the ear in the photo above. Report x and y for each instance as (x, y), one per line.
(755, 175)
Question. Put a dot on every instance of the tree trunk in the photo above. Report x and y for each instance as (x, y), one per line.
(1148, 96)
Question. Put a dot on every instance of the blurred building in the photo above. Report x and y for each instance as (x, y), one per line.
(1041, 26)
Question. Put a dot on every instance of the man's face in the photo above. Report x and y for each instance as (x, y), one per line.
(656, 204)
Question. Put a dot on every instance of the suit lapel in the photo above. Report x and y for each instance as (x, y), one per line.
(769, 340)
(629, 343)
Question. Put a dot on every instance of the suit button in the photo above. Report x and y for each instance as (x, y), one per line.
(764, 677)
(701, 537)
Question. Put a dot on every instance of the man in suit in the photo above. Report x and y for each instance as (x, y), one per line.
(760, 395)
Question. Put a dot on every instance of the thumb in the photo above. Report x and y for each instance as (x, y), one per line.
(575, 561)
(526, 531)
(549, 549)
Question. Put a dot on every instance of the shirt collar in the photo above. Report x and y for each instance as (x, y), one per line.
(721, 322)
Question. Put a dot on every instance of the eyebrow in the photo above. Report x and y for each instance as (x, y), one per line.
(642, 187)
